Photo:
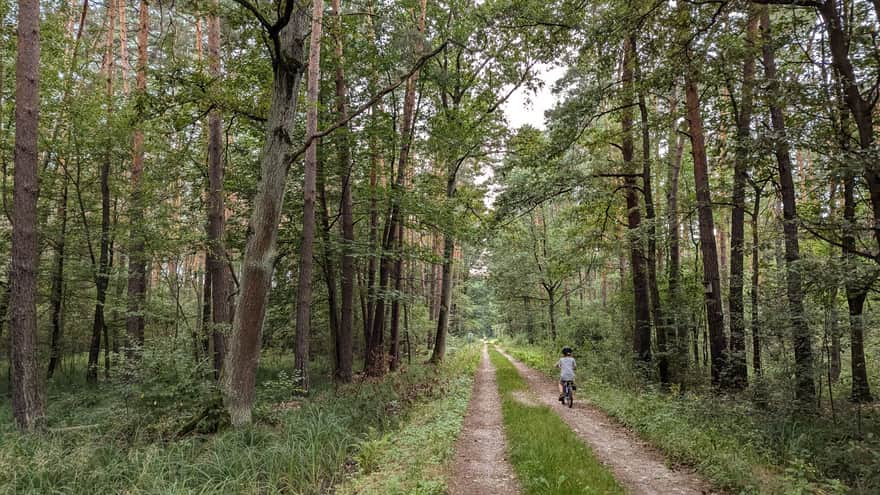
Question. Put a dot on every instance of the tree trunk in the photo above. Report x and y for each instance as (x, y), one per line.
(736, 376)
(137, 261)
(328, 264)
(446, 301)
(856, 294)
(861, 108)
(551, 310)
(375, 357)
(711, 281)
(642, 313)
(102, 276)
(394, 348)
(243, 350)
(56, 297)
(304, 290)
(805, 390)
(756, 322)
(673, 229)
(661, 326)
(343, 372)
(27, 396)
(215, 258)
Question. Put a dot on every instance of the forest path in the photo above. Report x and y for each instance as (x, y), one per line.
(481, 466)
(637, 466)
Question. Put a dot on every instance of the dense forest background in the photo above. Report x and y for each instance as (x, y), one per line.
(215, 207)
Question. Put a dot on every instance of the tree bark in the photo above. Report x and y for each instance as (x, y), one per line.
(27, 395)
(243, 349)
(860, 107)
(805, 390)
(446, 301)
(217, 268)
(856, 293)
(137, 261)
(394, 348)
(56, 297)
(641, 299)
(328, 265)
(304, 289)
(673, 229)
(343, 372)
(102, 276)
(736, 376)
(711, 280)
(756, 322)
(661, 326)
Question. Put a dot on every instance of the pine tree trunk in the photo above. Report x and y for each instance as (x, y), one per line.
(304, 289)
(102, 276)
(805, 390)
(737, 371)
(446, 301)
(56, 299)
(343, 371)
(215, 258)
(673, 229)
(394, 348)
(661, 326)
(756, 322)
(27, 395)
(856, 294)
(328, 264)
(711, 280)
(242, 353)
(641, 298)
(137, 261)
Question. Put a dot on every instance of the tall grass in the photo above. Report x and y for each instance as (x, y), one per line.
(302, 446)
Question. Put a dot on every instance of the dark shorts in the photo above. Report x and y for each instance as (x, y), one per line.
(561, 381)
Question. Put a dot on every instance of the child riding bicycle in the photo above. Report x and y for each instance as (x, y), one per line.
(566, 365)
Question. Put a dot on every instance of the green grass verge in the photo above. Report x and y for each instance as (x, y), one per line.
(548, 457)
(736, 445)
(413, 460)
(304, 449)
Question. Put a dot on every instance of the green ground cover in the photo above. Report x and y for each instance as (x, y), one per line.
(120, 439)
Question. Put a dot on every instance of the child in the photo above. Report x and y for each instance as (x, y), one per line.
(566, 365)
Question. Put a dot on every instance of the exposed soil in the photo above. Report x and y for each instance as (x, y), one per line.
(637, 466)
(481, 466)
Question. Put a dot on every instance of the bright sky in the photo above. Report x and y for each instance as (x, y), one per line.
(525, 107)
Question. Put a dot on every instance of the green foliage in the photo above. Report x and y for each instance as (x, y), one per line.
(101, 442)
(547, 456)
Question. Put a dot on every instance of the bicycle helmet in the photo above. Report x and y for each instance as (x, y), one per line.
(566, 351)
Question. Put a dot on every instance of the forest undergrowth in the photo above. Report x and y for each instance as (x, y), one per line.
(125, 436)
(740, 444)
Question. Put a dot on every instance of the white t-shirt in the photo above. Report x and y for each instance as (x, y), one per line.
(566, 366)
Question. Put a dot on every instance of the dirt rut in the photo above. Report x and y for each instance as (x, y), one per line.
(481, 466)
(636, 465)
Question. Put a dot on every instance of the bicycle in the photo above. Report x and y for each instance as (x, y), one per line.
(567, 397)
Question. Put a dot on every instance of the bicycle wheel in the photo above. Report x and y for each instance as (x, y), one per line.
(569, 400)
